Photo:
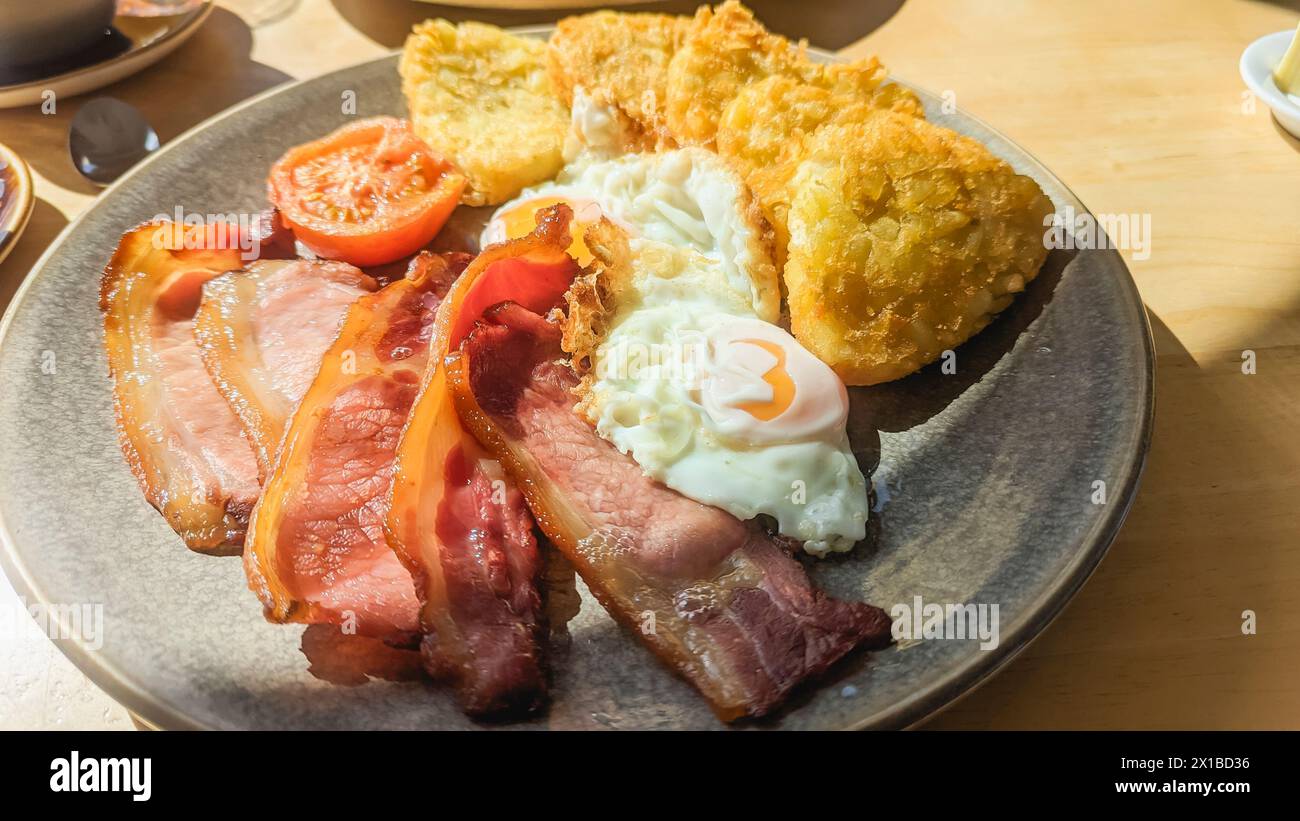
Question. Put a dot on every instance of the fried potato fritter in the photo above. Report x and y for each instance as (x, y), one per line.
(482, 98)
(905, 240)
(763, 132)
(725, 50)
(619, 59)
(757, 98)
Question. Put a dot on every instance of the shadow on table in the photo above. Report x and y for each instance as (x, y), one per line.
(831, 24)
(45, 224)
(204, 76)
(1155, 639)
(1285, 135)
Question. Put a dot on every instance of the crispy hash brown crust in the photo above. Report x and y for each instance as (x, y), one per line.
(763, 132)
(481, 98)
(621, 60)
(725, 50)
(905, 240)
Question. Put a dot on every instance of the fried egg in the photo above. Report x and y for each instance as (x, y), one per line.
(692, 377)
(731, 411)
(686, 199)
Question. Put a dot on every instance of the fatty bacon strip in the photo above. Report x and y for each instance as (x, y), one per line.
(185, 447)
(459, 524)
(734, 613)
(316, 551)
(262, 332)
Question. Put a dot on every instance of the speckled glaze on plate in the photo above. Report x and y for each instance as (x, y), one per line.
(984, 482)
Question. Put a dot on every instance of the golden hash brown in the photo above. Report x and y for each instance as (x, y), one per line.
(763, 131)
(725, 50)
(482, 99)
(905, 240)
(620, 59)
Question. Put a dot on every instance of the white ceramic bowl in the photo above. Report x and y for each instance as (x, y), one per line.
(1257, 63)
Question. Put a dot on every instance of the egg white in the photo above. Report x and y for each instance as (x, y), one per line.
(686, 199)
(646, 400)
(700, 261)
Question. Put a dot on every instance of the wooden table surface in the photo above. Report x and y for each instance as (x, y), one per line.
(1138, 106)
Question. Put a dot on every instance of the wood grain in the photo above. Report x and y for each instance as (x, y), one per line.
(1139, 108)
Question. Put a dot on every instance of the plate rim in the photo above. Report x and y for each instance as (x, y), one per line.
(26, 195)
(959, 682)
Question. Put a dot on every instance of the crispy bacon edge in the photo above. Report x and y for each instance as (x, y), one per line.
(146, 258)
(432, 442)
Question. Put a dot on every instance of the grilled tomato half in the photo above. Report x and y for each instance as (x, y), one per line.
(369, 193)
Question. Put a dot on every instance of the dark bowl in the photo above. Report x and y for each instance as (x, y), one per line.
(32, 31)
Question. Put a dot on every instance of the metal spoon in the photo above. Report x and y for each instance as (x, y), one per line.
(108, 136)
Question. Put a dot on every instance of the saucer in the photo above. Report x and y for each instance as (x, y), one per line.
(16, 200)
(140, 37)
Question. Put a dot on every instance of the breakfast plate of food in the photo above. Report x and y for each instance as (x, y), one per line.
(642, 371)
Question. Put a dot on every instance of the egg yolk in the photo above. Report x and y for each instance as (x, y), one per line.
(760, 385)
(520, 221)
(779, 378)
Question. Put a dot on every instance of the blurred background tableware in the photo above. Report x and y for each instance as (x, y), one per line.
(259, 13)
(829, 23)
(540, 4)
(108, 136)
(31, 32)
(1257, 64)
(16, 200)
(155, 8)
(42, 53)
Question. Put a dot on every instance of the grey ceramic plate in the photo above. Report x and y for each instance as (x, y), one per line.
(985, 483)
